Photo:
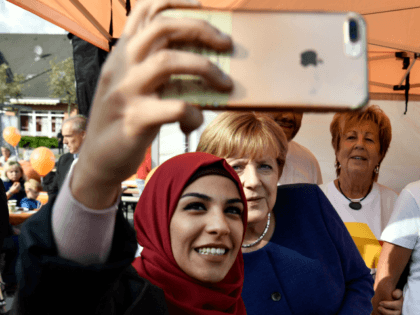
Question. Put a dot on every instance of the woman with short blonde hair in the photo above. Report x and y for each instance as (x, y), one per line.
(244, 133)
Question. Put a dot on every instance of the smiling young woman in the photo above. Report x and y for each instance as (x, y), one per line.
(206, 228)
(190, 221)
(77, 251)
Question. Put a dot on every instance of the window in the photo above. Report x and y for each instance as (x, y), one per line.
(39, 124)
(56, 124)
(25, 123)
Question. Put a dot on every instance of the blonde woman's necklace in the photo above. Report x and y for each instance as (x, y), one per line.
(354, 204)
(262, 235)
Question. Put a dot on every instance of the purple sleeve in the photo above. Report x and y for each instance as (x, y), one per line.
(82, 234)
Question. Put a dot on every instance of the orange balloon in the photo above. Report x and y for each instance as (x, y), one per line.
(29, 171)
(11, 135)
(42, 160)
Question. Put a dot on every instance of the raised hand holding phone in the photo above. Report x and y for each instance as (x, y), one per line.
(127, 111)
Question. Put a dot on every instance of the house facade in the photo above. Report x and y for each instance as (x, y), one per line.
(35, 113)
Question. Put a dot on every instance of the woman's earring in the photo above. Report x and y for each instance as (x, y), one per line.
(337, 165)
(376, 169)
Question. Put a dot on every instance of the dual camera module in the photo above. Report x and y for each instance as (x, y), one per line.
(353, 31)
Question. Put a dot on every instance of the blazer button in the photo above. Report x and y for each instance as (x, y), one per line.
(276, 296)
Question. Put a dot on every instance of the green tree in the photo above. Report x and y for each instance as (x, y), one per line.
(62, 82)
(12, 89)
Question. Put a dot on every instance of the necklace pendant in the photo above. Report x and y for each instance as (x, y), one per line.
(355, 205)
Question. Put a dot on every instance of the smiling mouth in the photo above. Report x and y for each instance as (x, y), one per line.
(359, 158)
(287, 125)
(214, 251)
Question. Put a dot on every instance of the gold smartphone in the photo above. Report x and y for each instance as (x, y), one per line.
(281, 60)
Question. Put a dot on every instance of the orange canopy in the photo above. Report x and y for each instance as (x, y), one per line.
(392, 26)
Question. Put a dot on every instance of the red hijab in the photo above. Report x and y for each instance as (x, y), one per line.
(184, 294)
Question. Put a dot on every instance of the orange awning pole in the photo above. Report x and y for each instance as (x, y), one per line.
(91, 19)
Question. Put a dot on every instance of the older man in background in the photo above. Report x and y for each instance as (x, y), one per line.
(74, 131)
(6, 155)
(301, 166)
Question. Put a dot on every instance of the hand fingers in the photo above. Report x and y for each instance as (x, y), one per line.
(385, 311)
(166, 30)
(161, 112)
(157, 69)
(397, 294)
(191, 120)
(144, 11)
(391, 305)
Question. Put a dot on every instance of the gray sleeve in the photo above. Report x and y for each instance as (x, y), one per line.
(82, 235)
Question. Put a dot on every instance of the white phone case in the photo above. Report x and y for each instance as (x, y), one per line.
(282, 60)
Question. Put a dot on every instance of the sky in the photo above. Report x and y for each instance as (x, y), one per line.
(13, 19)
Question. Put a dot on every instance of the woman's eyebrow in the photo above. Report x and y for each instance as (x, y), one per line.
(234, 201)
(207, 198)
(201, 196)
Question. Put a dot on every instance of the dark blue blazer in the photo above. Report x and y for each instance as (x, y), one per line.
(63, 167)
(311, 264)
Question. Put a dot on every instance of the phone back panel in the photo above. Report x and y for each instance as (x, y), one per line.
(284, 60)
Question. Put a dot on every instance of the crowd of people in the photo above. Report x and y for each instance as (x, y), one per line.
(238, 227)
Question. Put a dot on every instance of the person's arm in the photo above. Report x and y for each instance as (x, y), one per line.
(14, 189)
(74, 224)
(358, 281)
(391, 264)
(393, 307)
(400, 237)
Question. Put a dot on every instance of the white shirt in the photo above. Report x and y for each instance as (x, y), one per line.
(404, 230)
(301, 166)
(376, 209)
(365, 225)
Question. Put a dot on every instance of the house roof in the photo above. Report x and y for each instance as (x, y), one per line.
(34, 101)
(24, 57)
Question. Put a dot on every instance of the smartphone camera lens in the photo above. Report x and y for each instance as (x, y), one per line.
(353, 31)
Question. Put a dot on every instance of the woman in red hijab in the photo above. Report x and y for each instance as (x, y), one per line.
(190, 221)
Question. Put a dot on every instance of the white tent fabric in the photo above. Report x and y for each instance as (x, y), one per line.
(400, 166)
